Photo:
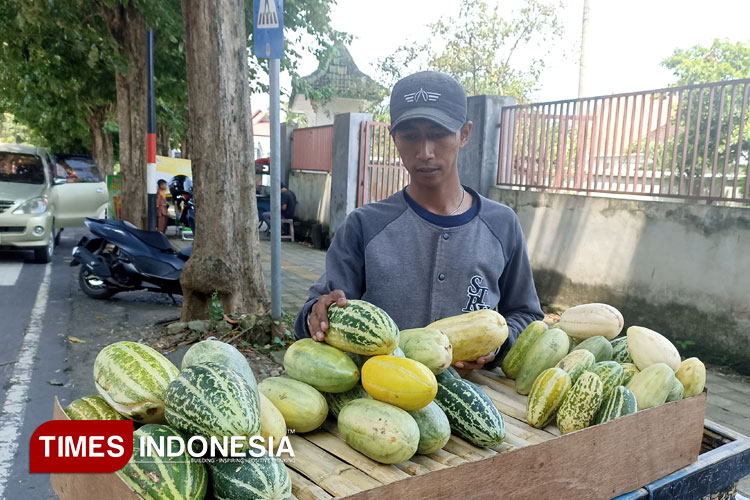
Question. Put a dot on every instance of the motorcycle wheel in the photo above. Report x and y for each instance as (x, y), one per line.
(93, 286)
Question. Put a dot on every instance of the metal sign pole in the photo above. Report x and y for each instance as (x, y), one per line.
(151, 135)
(273, 65)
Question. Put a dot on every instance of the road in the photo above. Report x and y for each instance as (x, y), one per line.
(41, 306)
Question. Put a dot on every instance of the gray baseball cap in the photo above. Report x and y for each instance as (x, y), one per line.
(429, 95)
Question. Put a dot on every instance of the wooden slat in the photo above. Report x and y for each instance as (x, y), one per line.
(304, 489)
(503, 404)
(445, 458)
(341, 450)
(466, 450)
(427, 463)
(336, 477)
(415, 469)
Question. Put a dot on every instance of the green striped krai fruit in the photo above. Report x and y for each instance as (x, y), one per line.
(132, 378)
(545, 353)
(429, 346)
(91, 408)
(162, 477)
(514, 359)
(272, 422)
(692, 375)
(380, 431)
(677, 391)
(628, 369)
(212, 400)
(450, 372)
(337, 400)
(572, 345)
(303, 407)
(262, 478)
(546, 396)
(588, 320)
(620, 402)
(648, 347)
(651, 386)
(598, 346)
(402, 382)
(611, 375)
(471, 413)
(434, 428)
(473, 334)
(320, 365)
(216, 351)
(620, 352)
(361, 359)
(581, 405)
(577, 362)
(361, 328)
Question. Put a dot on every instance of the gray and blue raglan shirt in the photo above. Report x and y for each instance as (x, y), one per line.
(420, 267)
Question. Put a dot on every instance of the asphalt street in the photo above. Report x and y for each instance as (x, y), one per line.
(41, 306)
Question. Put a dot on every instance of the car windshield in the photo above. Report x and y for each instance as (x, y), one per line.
(77, 168)
(22, 168)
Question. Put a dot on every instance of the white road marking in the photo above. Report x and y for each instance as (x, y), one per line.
(14, 406)
(9, 272)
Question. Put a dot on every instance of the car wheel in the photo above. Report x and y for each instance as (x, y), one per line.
(94, 286)
(58, 237)
(44, 254)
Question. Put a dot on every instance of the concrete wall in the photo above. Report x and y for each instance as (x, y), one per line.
(680, 269)
(313, 191)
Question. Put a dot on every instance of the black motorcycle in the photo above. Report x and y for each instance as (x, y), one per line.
(122, 258)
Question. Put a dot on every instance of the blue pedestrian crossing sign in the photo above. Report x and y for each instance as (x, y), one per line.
(268, 28)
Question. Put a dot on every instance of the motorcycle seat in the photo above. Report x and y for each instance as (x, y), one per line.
(184, 254)
(152, 238)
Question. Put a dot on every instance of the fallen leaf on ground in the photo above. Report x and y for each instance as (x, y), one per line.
(54, 382)
(100, 317)
(76, 340)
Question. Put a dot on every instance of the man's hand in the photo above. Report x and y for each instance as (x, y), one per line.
(319, 313)
(465, 367)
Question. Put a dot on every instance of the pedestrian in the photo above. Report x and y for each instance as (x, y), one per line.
(288, 201)
(162, 213)
(436, 248)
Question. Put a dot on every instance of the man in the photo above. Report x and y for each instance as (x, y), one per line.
(436, 248)
(288, 206)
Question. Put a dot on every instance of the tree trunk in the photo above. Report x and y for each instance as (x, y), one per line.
(102, 149)
(225, 256)
(128, 28)
(162, 140)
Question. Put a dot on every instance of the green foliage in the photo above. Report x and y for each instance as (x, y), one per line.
(479, 48)
(215, 311)
(13, 132)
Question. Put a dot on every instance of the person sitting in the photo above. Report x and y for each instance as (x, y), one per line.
(288, 206)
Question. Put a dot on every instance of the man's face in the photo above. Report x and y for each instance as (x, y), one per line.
(429, 152)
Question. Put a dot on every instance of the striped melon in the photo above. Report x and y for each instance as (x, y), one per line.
(361, 328)
(470, 412)
(546, 396)
(263, 478)
(320, 365)
(272, 422)
(545, 353)
(450, 372)
(514, 359)
(212, 400)
(91, 408)
(361, 359)
(429, 346)
(434, 428)
(402, 382)
(576, 362)
(620, 402)
(611, 375)
(587, 320)
(598, 346)
(380, 431)
(216, 351)
(677, 391)
(337, 400)
(651, 386)
(629, 369)
(692, 375)
(581, 405)
(163, 478)
(648, 347)
(303, 407)
(132, 378)
(620, 352)
(473, 334)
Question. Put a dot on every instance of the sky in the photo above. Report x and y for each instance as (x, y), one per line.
(627, 39)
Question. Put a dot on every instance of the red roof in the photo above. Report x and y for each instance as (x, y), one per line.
(261, 125)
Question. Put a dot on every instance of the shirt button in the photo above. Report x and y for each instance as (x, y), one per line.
(441, 277)
(446, 236)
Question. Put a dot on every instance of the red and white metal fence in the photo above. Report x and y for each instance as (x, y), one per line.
(381, 172)
(690, 142)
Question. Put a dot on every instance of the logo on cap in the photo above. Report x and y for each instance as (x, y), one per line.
(421, 94)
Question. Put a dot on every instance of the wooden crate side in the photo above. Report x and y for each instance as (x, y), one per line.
(598, 462)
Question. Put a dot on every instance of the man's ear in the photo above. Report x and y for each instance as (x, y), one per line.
(465, 133)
